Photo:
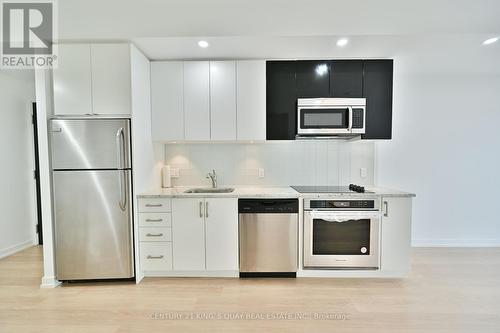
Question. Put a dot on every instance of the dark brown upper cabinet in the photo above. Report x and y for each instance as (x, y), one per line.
(281, 100)
(289, 80)
(312, 78)
(346, 78)
(377, 89)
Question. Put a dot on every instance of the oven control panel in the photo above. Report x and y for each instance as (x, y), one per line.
(340, 204)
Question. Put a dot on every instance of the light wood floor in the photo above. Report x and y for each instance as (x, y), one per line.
(449, 290)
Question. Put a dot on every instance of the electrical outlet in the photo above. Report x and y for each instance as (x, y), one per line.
(174, 172)
(261, 173)
(363, 172)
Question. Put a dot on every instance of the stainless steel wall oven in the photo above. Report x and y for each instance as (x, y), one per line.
(342, 233)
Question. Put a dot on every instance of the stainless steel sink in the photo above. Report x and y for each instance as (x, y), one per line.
(210, 190)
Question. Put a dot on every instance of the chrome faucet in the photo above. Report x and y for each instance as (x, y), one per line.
(213, 177)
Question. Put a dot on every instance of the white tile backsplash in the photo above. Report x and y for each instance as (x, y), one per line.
(284, 163)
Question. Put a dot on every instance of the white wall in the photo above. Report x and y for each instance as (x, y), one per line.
(17, 191)
(446, 149)
(284, 163)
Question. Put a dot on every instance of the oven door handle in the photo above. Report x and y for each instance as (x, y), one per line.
(343, 217)
(337, 220)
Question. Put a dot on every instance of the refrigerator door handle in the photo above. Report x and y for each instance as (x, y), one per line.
(120, 147)
(123, 190)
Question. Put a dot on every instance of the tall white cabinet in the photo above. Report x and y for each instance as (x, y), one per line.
(93, 79)
(209, 100)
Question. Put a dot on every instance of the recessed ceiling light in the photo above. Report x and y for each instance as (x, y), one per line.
(203, 43)
(490, 41)
(342, 42)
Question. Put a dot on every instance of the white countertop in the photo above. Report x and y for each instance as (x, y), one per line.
(264, 192)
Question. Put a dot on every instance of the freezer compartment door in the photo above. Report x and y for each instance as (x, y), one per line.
(90, 143)
(268, 243)
(93, 224)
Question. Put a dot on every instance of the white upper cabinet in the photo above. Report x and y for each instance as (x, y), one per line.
(251, 99)
(111, 78)
(93, 79)
(209, 100)
(167, 81)
(223, 100)
(197, 100)
(221, 230)
(72, 80)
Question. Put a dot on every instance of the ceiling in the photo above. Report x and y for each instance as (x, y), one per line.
(127, 19)
(414, 33)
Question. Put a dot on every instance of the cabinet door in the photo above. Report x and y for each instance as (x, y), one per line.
(346, 78)
(313, 78)
(251, 100)
(396, 234)
(377, 89)
(72, 80)
(188, 234)
(167, 89)
(223, 100)
(221, 223)
(111, 86)
(196, 100)
(281, 100)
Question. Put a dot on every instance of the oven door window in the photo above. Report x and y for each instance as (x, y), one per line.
(324, 118)
(350, 237)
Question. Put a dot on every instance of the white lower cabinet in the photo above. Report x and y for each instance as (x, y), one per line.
(396, 234)
(155, 235)
(188, 226)
(205, 234)
(221, 234)
(156, 256)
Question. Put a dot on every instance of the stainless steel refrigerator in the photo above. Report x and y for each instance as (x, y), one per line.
(92, 179)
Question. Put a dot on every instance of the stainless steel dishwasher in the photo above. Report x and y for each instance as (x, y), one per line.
(268, 237)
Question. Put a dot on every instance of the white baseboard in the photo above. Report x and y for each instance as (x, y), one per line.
(456, 243)
(17, 248)
(49, 282)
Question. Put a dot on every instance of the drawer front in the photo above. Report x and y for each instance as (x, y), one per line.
(156, 256)
(155, 234)
(155, 205)
(155, 219)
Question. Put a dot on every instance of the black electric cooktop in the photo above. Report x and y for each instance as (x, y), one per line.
(330, 189)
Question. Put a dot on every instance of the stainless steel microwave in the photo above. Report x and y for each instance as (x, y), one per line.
(331, 116)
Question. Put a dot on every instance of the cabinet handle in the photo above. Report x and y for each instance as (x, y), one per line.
(154, 235)
(155, 257)
(386, 209)
(154, 205)
(201, 209)
(206, 209)
(154, 220)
